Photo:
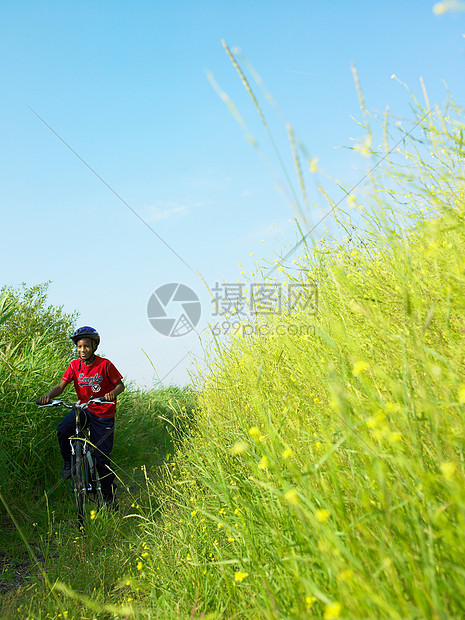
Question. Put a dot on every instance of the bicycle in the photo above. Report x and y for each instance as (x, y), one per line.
(85, 479)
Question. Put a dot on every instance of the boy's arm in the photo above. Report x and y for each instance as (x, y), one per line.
(56, 391)
(119, 387)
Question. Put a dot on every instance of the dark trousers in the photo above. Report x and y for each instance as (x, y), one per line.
(101, 437)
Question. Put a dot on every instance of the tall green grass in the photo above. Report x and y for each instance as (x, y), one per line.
(34, 351)
(325, 474)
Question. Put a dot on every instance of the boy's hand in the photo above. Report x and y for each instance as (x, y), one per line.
(44, 400)
(119, 387)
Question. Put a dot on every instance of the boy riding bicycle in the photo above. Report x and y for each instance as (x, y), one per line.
(93, 377)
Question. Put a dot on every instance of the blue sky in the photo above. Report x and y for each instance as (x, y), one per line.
(125, 85)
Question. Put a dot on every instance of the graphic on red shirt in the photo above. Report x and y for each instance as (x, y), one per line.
(94, 381)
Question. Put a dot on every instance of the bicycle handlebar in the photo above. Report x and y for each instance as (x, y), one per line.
(53, 403)
(56, 403)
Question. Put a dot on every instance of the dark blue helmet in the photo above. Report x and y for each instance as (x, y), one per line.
(86, 332)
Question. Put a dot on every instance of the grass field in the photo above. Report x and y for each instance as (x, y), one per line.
(318, 472)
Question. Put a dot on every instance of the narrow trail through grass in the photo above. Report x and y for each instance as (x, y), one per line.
(150, 427)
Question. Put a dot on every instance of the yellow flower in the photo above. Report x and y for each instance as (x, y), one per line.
(345, 575)
(145, 554)
(395, 437)
(448, 470)
(309, 600)
(193, 513)
(254, 431)
(322, 515)
(240, 576)
(376, 420)
(292, 497)
(139, 566)
(333, 610)
(92, 514)
(263, 464)
(238, 448)
(359, 367)
(314, 164)
(286, 453)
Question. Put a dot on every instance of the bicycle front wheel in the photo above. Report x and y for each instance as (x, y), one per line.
(79, 478)
(96, 486)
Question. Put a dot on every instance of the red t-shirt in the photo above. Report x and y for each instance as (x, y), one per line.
(94, 381)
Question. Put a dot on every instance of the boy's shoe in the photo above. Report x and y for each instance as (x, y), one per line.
(66, 471)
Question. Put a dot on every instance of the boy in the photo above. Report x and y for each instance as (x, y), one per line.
(93, 377)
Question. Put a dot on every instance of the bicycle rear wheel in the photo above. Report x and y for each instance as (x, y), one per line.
(79, 478)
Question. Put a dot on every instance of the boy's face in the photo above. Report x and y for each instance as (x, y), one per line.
(85, 348)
